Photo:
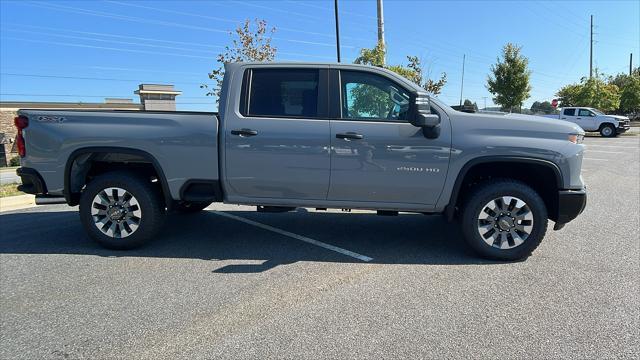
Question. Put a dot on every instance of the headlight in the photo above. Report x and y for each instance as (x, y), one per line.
(576, 138)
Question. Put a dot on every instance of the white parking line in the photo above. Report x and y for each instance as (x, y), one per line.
(608, 152)
(596, 159)
(611, 146)
(296, 236)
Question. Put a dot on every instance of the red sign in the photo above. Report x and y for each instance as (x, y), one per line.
(554, 103)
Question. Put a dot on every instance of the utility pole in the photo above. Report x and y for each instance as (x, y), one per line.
(335, 3)
(381, 29)
(630, 63)
(591, 51)
(462, 85)
(485, 102)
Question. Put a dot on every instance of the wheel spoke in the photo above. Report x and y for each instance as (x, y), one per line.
(116, 212)
(505, 222)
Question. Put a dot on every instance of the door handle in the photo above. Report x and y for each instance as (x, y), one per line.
(244, 132)
(564, 118)
(578, 118)
(350, 136)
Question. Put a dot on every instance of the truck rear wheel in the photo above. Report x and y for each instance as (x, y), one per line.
(607, 130)
(504, 220)
(120, 210)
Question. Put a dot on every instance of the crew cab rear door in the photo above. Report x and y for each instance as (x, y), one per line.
(277, 135)
(377, 156)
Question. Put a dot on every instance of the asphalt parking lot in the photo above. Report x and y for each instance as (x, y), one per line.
(233, 283)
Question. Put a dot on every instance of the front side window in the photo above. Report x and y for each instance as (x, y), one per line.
(283, 93)
(584, 112)
(569, 112)
(372, 97)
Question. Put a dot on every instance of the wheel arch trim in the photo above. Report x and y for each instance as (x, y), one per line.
(449, 210)
(72, 200)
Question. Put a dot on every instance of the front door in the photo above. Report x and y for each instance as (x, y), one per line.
(586, 119)
(277, 145)
(376, 154)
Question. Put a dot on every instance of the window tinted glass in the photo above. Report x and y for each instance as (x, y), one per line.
(569, 112)
(584, 112)
(370, 96)
(283, 93)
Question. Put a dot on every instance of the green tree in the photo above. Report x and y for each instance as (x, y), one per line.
(469, 104)
(629, 86)
(593, 92)
(373, 57)
(247, 44)
(509, 82)
(542, 107)
(413, 71)
(370, 100)
(568, 95)
(630, 95)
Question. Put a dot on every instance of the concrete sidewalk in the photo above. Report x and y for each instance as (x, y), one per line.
(17, 202)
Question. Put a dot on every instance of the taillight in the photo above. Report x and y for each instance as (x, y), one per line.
(21, 122)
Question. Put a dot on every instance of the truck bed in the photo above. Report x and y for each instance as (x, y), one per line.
(57, 140)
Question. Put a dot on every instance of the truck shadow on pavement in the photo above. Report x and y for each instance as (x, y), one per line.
(403, 239)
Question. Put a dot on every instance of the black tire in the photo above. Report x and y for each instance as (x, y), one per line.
(148, 200)
(188, 207)
(492, 189)
(608, 130)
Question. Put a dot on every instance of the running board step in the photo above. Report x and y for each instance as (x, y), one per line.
(49, 199)
(274, 209)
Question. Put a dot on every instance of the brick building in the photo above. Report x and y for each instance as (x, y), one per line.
(153, 97)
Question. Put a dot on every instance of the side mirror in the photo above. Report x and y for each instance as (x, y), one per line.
(425, 120)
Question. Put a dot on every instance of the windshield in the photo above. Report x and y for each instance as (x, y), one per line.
(598, 112)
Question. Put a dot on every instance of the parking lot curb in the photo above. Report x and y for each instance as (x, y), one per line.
(16, 202)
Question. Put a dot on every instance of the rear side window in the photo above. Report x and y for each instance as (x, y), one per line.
(569, 112)
(281, 93)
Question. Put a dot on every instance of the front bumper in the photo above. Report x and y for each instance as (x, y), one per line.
(623, 127)
(571, 203)
(32, 182)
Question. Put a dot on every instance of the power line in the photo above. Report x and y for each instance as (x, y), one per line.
(92, 96)
(352, 13)
(109, 41)
(82, 11)
(115, 49)
(279, 28)
(96, 78)
(138, 43)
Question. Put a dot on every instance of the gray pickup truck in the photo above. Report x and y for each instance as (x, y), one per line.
(293, 135)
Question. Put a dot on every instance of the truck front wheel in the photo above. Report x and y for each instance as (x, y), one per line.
(120, 210)
(504, 220)
(607, 130)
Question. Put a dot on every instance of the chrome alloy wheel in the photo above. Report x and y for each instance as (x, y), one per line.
(607, 131)
(116, 212)
(505, 222)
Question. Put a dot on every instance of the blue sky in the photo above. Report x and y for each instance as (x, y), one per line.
(87, 50)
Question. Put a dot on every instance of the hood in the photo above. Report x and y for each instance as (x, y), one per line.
(617, 117)
(522, 122)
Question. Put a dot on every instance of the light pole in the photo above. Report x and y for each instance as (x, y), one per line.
(335, 3)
